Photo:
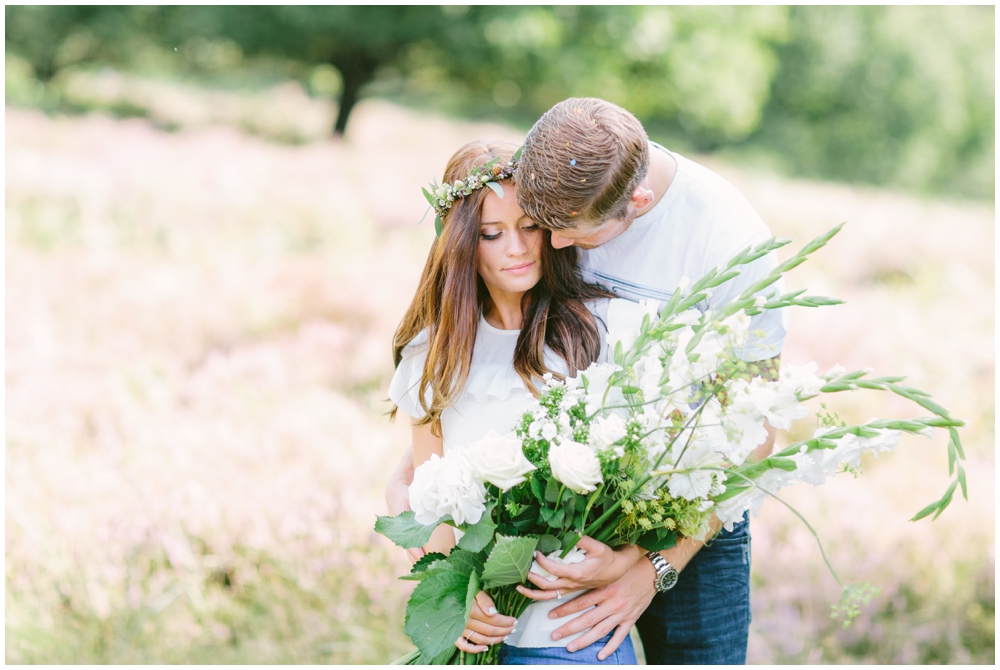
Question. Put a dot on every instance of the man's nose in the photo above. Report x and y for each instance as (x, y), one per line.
(560, 242)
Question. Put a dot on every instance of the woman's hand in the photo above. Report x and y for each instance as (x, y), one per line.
(485, 627)
(602, 566)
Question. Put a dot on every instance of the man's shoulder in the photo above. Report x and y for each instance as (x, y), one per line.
(703, 187)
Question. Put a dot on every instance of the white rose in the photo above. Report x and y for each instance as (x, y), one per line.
(575, 465)
(499, 460)
(606, 431)
(447, 486)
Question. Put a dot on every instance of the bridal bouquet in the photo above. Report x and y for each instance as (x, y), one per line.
(639, 450)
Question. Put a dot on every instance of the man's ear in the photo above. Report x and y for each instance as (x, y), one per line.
(642, 197)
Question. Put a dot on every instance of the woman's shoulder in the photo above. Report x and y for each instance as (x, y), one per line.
(403, 388)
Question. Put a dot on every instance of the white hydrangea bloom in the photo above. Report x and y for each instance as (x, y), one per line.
(447, 486)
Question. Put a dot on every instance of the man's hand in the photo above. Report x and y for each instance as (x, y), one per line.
(602, 566)
(485, 626)
(619, 604)
(397, 494)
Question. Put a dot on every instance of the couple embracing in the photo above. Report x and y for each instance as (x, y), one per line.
(526, 278)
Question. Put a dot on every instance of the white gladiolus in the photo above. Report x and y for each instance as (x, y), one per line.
(606, 431)
(447, 486)
(775, 403)
(575, 465)
(625, 319)
(649, 369)
(499, 460)
(598, 376)
(801, 380)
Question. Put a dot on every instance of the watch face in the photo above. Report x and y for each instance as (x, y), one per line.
(667, 580)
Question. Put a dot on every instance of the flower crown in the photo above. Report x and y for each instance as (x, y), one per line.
(442, 197)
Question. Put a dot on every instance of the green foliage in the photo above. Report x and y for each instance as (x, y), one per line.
(404, 530)
(509, 561)
(479, 535)
(900, 96)
(436, 612)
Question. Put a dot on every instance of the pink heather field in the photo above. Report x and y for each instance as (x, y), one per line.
(197, 356)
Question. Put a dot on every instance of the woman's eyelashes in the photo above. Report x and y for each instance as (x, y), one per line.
(490, 236)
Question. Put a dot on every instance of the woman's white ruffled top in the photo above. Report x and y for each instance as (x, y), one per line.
(494, 396)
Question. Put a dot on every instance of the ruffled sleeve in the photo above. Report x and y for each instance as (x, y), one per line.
(404, 389)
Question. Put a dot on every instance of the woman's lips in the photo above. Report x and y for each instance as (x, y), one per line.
(519, 269)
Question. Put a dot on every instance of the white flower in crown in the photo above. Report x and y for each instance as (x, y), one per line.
(575, 465)
(605, 431)
(447, 487)
(499, 460)
(625, 320)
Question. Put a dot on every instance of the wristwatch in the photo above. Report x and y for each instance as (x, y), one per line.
(666, 574)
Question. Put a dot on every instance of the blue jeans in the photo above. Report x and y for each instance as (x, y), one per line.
(624, 655)
(705, 618)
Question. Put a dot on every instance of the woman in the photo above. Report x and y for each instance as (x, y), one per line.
(497, 308)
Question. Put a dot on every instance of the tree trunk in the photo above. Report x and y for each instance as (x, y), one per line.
(355, 76)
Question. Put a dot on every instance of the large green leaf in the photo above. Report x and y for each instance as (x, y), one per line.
(420, 568)
(548, 543)
(436, 612)
(465, 562)
(479, 535)
(404, 530)
(509, 561)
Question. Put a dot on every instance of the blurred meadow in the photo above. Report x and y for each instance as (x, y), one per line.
(204, 271)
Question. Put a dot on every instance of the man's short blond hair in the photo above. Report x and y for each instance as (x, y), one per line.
(581, 163)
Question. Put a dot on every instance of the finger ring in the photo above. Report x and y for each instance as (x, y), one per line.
(558, 595)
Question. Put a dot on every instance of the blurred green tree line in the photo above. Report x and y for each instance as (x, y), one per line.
(893, 96)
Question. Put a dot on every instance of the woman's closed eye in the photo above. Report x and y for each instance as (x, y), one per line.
(490, 234)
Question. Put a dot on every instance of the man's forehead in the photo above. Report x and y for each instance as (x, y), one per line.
(579, 229)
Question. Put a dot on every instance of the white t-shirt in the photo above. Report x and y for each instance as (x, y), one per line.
(700, 222)
(494, 398)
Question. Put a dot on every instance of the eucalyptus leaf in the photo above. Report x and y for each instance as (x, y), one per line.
(496, 188)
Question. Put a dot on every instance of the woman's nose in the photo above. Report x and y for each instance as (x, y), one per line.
(518, 244)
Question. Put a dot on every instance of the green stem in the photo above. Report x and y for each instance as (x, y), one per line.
(611, 510)
(794, 511)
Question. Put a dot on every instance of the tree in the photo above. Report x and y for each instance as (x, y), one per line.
(357, 40)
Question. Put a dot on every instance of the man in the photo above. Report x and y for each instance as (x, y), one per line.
(644, 219)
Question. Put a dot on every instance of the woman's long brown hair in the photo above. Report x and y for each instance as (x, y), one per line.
(451, 294)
